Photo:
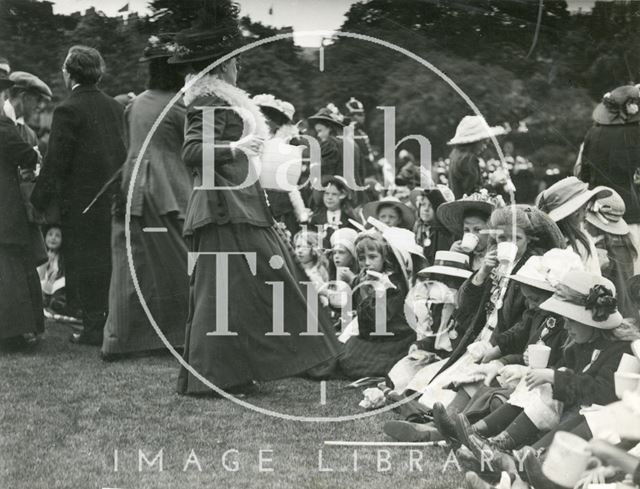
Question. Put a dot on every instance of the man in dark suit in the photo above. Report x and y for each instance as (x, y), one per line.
(86, 147)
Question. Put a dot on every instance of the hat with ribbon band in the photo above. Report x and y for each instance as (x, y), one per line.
(586, 298)
(607, 214)
(449, 263)
(568, 195)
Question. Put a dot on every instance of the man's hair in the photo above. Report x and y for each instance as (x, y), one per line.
(85, 65)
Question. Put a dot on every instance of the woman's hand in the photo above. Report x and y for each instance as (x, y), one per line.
(489, 262)
(538, 376)
(251, 145)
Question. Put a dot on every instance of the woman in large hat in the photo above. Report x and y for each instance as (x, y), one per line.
(161, 191)
(470, 140)
(611, 152)
(236, 220)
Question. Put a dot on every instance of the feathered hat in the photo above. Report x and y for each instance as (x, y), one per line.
(215, 33)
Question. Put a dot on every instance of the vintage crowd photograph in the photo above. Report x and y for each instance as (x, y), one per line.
(320, 244)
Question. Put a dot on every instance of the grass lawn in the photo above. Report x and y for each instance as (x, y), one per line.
(64, 413)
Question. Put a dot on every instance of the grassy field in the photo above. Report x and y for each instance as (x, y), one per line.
(65, 413)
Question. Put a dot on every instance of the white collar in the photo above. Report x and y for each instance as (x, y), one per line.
(75, 85)
(10, 112)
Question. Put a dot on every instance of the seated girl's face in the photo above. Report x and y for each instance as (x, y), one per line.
(520, 238)
(389, 215)
(371, 259)
(303, 250)
(534, 296)
(53, 239)
(341, 257)
(333, 197)
(426, 211)
(578, 332)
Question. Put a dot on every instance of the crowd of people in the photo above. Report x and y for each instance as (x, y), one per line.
(491, 325)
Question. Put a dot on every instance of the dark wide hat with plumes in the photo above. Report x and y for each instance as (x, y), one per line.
(619, 106)
(214, 34)
(160, 46)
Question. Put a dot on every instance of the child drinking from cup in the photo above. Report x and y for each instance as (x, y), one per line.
(593, 352)
(466, 220)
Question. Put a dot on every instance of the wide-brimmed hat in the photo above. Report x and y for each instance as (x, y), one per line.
(544, 272)
(30, 83)
(474, 128)
(266, 100)
(160, 46)
(214, 34)
(568, 195)
(345, 237)
(586, 298)
(449, 263)
(619, 106)
(606, 214)
(330, 116)
(371, 210)
(451, 214)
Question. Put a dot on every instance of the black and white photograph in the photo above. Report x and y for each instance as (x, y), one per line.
(320, 244)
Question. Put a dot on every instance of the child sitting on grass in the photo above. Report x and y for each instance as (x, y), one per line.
(51, 273)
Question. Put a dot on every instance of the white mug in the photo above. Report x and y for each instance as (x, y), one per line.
(567, 459)
(538, 355)
(507, 252)
(625, 381)
(469, 242)
(629, 364)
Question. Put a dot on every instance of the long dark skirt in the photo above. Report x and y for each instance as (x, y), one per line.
(160, 260)
(228, 361)
(20, 293)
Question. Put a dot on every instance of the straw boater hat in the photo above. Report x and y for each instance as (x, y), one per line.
(620, 106)
(586, 298)
(345, 237)
(451, 214)
(606, 214)
(568, 195)
(270, 102)
(371, 209)
(474, 128)
(543, 272)
(449, 263)
(329, 116)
